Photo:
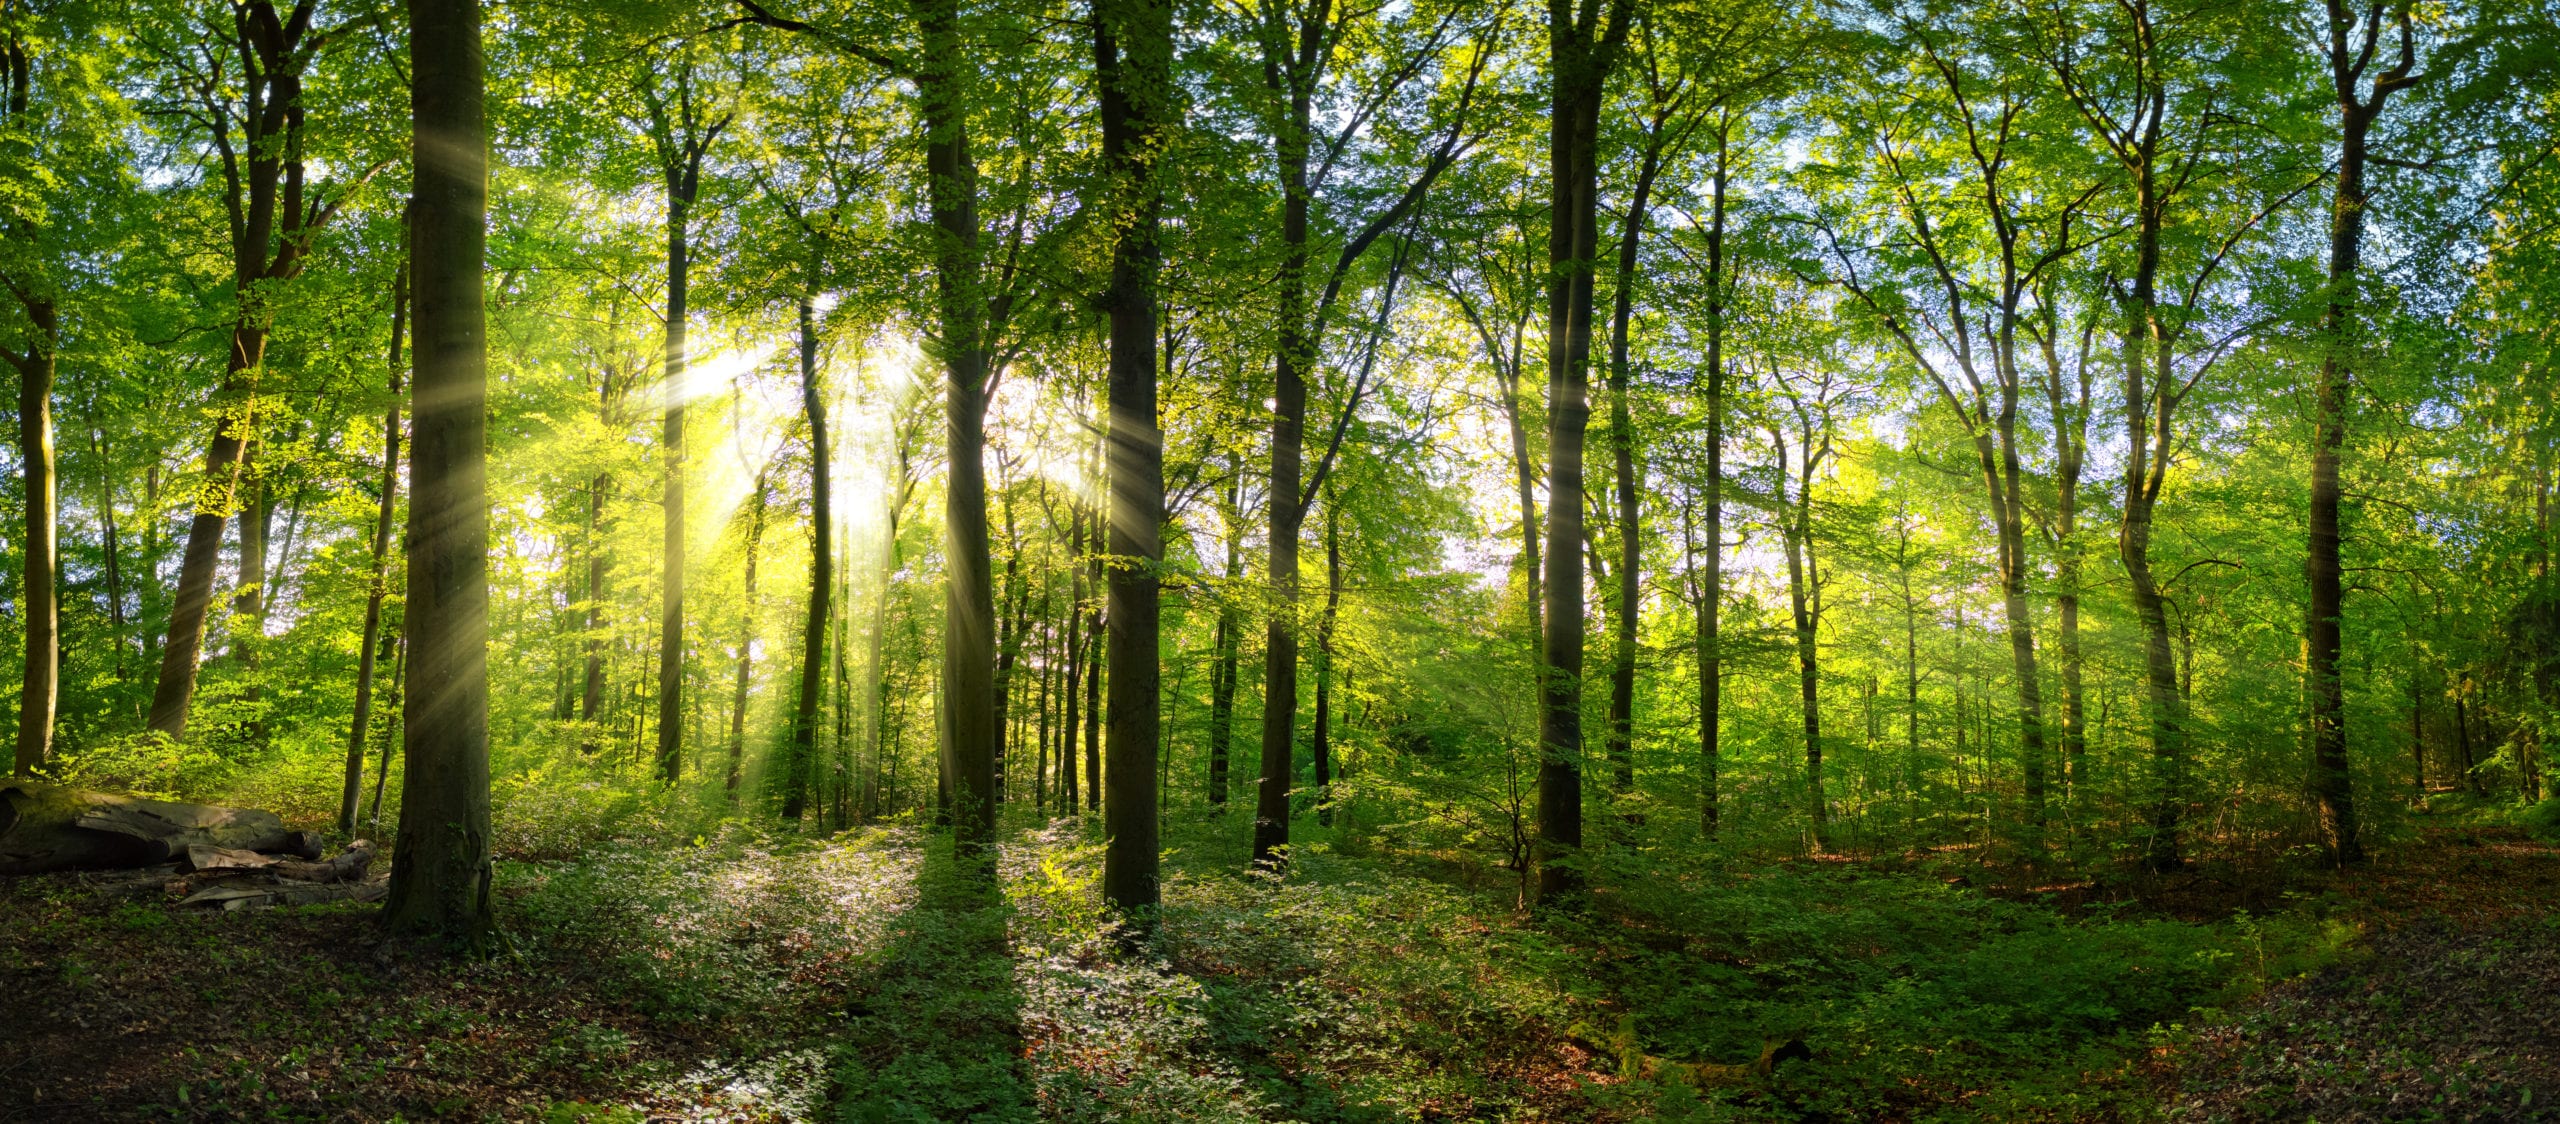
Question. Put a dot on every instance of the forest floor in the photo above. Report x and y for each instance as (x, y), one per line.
(862, 979)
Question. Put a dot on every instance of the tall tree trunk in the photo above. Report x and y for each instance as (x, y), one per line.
(672, 444)
(1133, 65)
(746, 642)
(1095, 658)
(1048, 677)
(2332, 786)
(1222, 686)
(591, 697)
(1804, 606)
(813, 633)
(109, 541)
(378, 586)
(441, 872)
(271, 230)
(880, 726)
(1581, 52)
(1322, 731)
(968, 646)
(41, 607)
(1077, 669)
(2008, 501)
(2071, 442)
(1524, 481)
(1711, 569)
(1622, 444)
(1283, 503)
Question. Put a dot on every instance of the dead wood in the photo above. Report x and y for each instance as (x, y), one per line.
(48, 827)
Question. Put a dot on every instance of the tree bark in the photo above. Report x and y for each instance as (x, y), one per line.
(968, 648)
(378, 587)
(1095, 661)
(1625, 612)
(813, 633)
(1321, 733)
(271, 230)
(671, 590)
(440, 877)
(1133, 61)
(116, 621)
(2332, 786)
(746, 642)
(1077, 669)
(1295, 354)
(1711, 570)
(41, 607)
(1222, 689)
(1804, 605)
(1581, 52)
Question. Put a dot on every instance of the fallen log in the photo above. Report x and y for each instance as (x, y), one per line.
(1634, 1062)
(349, 866)
(252, 896)
(48, 827)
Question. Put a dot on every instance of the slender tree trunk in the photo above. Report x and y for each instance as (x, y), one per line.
(1283, 502)
(441, 872)
(41, 607)
(1524, 474)
(379, 586)
(881, 760)
(1804, 606)
(2462, 730)
(591, 697)
(2008, 501)
(1622, 443)
(2071, 439)
(1222, 689)
(395, 638)
(1133, 60)
(1077, 670)
(257, 517)
(746, 643)
(1910, 688)
(2417, 736)
(1094, 660)
(813, 633)
(1711, 570)
(1048, 675)
(1322, 749)
(116, 620)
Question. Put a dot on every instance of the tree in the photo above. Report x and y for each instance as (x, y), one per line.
(2147, 101)
(379, 588)
(2353, 41)
(274, 219)
(1975, 255)
(681, 132)
(1298, 48)
(440, 876)
(1584, 42)
(1133, 70)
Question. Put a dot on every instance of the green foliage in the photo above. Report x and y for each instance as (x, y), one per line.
(2542, 820)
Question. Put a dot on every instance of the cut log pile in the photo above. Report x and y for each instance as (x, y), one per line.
(198, 854)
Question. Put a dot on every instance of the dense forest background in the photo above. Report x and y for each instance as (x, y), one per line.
(1590, 480)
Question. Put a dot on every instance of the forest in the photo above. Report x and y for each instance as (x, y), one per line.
(1311, 560)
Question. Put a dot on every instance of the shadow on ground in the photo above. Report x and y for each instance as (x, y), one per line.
(935, 1034)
